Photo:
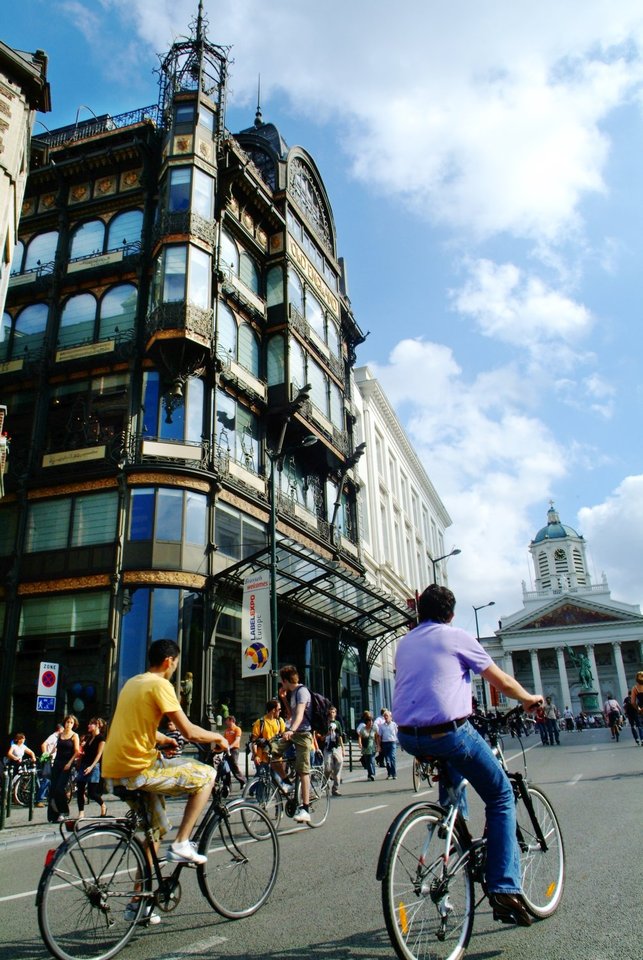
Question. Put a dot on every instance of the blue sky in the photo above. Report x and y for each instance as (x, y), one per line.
(484, 166)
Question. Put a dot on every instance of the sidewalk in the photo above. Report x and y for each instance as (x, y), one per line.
(19, 829)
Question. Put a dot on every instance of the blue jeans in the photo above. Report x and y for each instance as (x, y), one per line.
(389, 752)
(470, 756)
(552, 731)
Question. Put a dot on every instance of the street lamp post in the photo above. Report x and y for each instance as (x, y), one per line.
(435, 562)
(491, 603)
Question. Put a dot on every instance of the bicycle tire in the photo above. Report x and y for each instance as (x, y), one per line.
(241, 870)
(542, 871)
(22, 789)
(417, 775)
(83, 893)
(319, 798)
(414, 891)
(266, 794)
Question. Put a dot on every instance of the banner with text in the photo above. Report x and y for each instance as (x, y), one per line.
(256, 639)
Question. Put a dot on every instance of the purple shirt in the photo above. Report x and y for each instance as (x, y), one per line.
(432, 682)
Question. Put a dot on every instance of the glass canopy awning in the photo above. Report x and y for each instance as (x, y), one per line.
(326, 590)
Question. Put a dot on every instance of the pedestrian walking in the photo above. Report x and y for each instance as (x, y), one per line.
(366, 732)
(47, 756)
(333, 750)
(635, 720)
(386, 734)
(541, 724)
(551, 722)
(568, 717)
(67, 749)
(88, 763)
(612, 714)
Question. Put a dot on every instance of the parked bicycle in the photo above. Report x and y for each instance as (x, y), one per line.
(429, 863)
(422, 774)
(103, 880)
(278, 797)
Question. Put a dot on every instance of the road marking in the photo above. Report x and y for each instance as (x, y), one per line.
(572, 783)
(18, 896)
(381, 806)
(203, 946)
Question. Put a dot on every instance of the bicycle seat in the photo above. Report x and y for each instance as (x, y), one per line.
(124, 794)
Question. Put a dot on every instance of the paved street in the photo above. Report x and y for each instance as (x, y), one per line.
(327, 903)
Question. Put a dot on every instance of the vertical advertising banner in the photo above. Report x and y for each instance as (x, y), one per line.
(256, 645)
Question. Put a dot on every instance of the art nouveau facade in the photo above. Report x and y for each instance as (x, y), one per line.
(402, 518)
(567, 612)
(174, 289)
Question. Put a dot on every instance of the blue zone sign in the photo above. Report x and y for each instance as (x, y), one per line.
(45, 704)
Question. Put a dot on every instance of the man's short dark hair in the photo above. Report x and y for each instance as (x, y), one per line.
(436, 603)
(289, 673)
(272, 705)
(161, 649)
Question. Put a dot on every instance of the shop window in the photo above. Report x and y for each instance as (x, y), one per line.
(87, 239)
(86, 413)
(236, 535)
(27, 334)
(174, 266)
(117, 311)
(124, 229)
(168, 515)
(77, 320)
(71, 522)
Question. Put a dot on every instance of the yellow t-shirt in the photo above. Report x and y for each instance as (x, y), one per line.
(131, 741)
(270, 729)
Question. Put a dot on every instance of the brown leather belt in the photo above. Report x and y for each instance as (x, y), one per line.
(436, 728)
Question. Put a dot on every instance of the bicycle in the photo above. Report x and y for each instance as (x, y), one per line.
(422, 774)
(277, 798)
(429, 862)
(102, 867)
(30, 779)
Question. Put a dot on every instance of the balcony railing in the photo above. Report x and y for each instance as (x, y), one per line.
(97, 125)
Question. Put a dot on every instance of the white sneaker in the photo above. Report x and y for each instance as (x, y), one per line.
(148, 916)
(185, 852)
(301, 815)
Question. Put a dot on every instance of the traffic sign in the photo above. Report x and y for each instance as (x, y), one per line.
(45, 704)
(48, 680)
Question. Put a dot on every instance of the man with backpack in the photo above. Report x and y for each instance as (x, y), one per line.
(300, 733)
(264, 729)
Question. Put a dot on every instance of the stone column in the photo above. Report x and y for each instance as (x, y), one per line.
(564, 683)
(620, 669)
(535, 668)
(597, 686)
(509, 664)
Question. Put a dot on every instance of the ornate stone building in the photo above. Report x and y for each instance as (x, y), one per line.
(177, 334)
(565, 618)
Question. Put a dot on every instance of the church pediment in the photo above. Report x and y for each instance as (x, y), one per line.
(570, 615)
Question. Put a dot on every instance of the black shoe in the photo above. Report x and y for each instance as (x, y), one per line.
(510, 908)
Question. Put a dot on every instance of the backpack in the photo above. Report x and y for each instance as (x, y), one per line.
(319, 707)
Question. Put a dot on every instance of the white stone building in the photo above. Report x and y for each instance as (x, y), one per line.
(401, 516)
(567, 612)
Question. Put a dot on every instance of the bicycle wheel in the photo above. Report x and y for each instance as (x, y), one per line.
(22, 789)
(241, 870)
(319, 799)
(83, 893)
(264, 792)
(428, 912)
(542, 871)
(417, 774)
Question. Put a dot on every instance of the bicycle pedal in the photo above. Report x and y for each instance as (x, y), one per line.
(505, 917)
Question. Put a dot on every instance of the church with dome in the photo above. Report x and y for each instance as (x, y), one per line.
(567, 620)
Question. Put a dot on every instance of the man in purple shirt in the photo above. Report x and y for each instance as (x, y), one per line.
(432, 703)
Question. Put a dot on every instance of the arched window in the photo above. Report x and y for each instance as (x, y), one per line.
(226, 332)
(16, 260)
(297, 364)
(275, 286)
(41, 250)
(336, 406)
(29, 330)
(124, 228)
(5, 333)
(276, 361)
(318, 383)
(315, 315)
(249, 273)
(87, 239)
(295, 291)
(77, 320)
(228, 254)
(334, 339)
(248, 349)
(118, 311)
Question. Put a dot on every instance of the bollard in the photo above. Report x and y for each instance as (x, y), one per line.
(3, 797)
(32, 791)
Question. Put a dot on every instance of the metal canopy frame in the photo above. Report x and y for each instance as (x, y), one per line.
(326, 590)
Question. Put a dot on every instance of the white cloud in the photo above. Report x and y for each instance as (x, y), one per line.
(490, 461)
(614, 531)
(484, 118)
(519, 308)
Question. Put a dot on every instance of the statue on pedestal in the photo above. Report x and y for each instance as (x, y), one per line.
(582, 661)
